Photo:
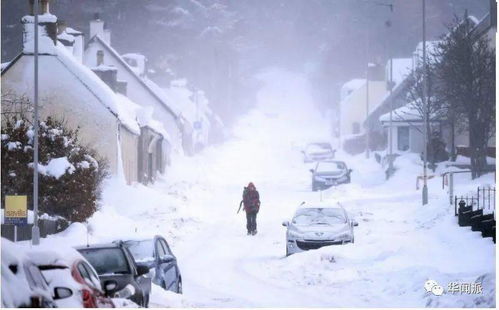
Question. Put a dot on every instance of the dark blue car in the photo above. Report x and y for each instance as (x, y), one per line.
(157, 255)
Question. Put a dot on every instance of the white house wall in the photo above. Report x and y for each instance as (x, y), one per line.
(64, 97)
(129, 153)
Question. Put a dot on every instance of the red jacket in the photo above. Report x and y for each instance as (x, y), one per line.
(251, 200)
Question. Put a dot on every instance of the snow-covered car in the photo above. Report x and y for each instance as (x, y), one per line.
(318, 151)
(70, 269)
(119, 274)
(329, 173)
(157, 255)
(316, 226)
(23, 285)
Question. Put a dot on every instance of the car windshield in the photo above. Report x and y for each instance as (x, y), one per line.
(318, 148)
(106, 260)
(319, 216)
(333, 166)
(141, 250)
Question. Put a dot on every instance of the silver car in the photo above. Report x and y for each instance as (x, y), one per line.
(313, 227)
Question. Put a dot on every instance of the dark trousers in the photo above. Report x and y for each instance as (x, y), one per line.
(251, 221)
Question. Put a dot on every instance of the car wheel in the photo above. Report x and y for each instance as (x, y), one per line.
(179, 286)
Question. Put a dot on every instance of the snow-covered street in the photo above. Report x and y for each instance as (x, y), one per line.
(398, 244)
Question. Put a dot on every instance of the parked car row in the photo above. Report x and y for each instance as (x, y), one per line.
(327, 171)
(89, 277)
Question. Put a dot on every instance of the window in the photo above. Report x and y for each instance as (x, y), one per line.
(159, 249)
(107, 260)
(403, 138)
(141, 250)
(355, 128)
(100, 57)
(166, 247)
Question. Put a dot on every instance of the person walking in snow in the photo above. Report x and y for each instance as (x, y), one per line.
(251, 201)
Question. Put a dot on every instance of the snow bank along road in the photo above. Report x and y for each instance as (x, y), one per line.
(398, 244)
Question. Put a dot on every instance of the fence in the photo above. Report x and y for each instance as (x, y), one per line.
(22, 233)
(485, 200)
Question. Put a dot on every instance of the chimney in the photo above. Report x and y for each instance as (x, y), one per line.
(47, 29)
(107, 36)
(63, 37)
(108, 75)
(97, 29)
(96, 26)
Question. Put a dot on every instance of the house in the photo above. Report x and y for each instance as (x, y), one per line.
(401, 68)
(74, 93)
(406, 126)
(132, 71)
(354, 108)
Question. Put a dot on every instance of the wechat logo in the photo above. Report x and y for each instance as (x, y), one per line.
(431, 286)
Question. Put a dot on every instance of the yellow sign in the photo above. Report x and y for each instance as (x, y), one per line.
(16, 206)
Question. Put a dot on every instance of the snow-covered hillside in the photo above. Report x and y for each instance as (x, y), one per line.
(399, 244)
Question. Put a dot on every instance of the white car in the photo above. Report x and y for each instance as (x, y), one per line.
(315, 226)
(317, 152)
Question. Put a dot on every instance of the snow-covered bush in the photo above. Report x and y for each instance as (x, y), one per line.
(70, 174)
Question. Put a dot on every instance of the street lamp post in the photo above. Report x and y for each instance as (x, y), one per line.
(35, 231)
(425, 111)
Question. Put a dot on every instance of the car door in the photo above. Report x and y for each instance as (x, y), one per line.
(143, 281)
(166, 264)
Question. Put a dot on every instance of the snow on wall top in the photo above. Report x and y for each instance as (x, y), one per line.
(351, 86)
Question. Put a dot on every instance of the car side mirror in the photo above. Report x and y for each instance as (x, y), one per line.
(350, 171)
(110, 286)
(166, 259)
(285, 223)
(142, 270)
(127, 292)
(62, 292)
(312, 170)
(354, 223)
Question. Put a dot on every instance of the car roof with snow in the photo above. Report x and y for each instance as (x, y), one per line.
(321, 205)
(114, 244)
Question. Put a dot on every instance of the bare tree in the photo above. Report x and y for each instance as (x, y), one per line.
(466, 70)
(428, 106)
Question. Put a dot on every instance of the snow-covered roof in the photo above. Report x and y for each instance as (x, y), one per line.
(351, 86)
(111, 100)
(120, 59)
(73, 32)
(66, 37)
(145, 119)
(136, 62)
(407, 113)
(4, 65)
